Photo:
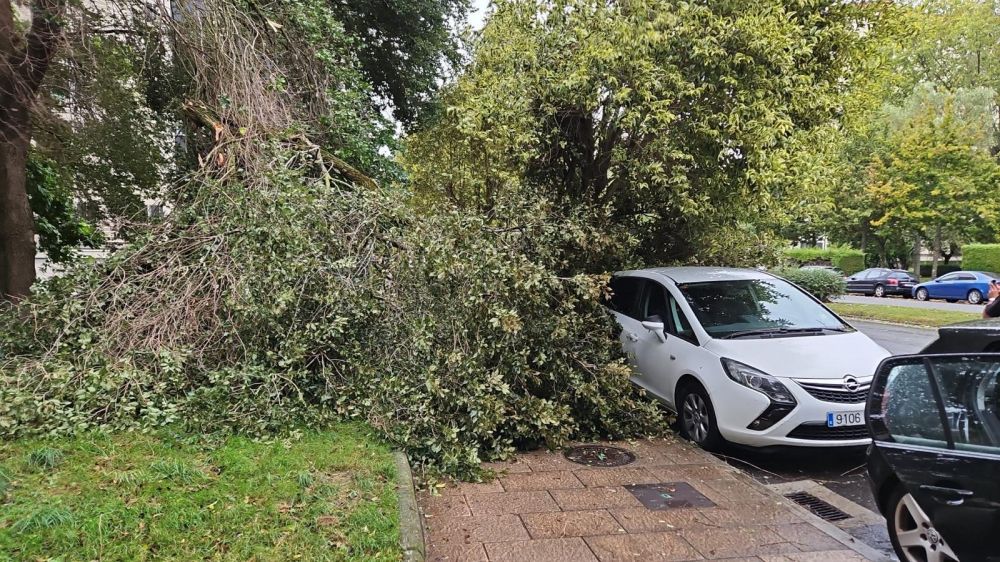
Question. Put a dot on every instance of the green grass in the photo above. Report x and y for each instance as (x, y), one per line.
(328, 495)
(902, 315)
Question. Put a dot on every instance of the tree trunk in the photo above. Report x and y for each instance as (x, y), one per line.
(916, 255)
(24, 61)
(17, 233)
(936, 251)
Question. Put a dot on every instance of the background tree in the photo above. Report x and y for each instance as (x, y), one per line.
(103, 116)
(671, 126)
(936, 178)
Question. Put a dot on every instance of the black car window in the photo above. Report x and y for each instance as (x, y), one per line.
(625, 294)
(654, 303)
(876, 274)
(679, 325)
(966, 277)
(861, 274)
(909, 409)
(949, 277)
(971, 398)
(900, 275)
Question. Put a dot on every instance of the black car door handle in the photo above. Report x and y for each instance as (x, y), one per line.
(958, 495)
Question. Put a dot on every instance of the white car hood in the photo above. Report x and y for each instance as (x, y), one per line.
(805, 357)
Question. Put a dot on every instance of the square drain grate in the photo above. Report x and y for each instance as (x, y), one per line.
(669, 495)
(820, 508)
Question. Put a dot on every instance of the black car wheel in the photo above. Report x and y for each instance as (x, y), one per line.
(697, 417)
(922, 294)
(975, 297)
(912, 534)
(879, 291)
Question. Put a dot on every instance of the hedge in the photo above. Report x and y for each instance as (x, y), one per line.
(821, 283)
(981, 257)
(846, 259)
(925, 269)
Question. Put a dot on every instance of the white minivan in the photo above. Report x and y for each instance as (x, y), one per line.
(745, 357)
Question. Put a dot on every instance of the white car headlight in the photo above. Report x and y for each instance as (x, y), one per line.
(759, 381)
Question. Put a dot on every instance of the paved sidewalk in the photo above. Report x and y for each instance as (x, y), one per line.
(545, 508)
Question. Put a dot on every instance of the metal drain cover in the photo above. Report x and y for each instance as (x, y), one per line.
(820, 508)
(599, 455)
(669, 495)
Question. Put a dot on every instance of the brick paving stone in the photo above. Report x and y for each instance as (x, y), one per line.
(511, 502)
(548, 480)
(456, 553)
(510, 467)
(726, 542)
(463, 488)
(642, 520)
(652, 547)
(437, 506)
(595, 498)
(726, 491)
(806, 537)
(475, 529)
(544, 550)
(571, 524)
(540, 461)
(692, 473)
(743, 514)
(616, 476)
(825, 556)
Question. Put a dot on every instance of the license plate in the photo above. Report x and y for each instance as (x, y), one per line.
(840, 419)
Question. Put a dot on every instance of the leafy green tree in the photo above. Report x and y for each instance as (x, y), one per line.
(936, 177)
(670, 125)
(405, 48)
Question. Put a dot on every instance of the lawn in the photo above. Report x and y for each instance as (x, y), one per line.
(902, 315)
(324, 496)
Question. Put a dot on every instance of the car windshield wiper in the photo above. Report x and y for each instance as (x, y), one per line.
(775, 331)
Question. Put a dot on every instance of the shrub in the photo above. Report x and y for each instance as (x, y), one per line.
(981, 257)
(822, 284)
(846, 259)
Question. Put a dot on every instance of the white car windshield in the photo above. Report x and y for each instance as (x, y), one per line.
(758, 308)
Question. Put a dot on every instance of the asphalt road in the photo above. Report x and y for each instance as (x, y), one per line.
(912, 303)
(842, 471)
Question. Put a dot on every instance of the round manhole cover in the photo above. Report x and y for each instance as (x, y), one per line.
(599, 455)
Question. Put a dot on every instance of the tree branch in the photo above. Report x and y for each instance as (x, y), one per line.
(42, 40)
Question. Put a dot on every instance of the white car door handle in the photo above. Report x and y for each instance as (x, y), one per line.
(631, 336)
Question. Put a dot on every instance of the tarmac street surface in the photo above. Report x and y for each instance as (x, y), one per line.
(840, 471)
(912, 303)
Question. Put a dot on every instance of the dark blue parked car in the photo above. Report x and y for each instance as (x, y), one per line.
(972, 286)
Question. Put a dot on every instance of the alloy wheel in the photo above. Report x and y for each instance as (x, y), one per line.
(975, 297)
(921, 294)
(917, 537)
(879, 291)
(696, 417)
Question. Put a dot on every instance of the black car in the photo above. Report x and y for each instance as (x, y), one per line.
(934, 463)
(882, 282)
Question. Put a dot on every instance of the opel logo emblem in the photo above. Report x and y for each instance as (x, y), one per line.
(851, 384)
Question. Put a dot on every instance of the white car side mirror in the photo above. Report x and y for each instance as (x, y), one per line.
(656, 328)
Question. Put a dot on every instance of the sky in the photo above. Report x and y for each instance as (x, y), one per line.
(478, 13)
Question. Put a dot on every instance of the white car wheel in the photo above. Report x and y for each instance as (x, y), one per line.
(916, 537)
(922, 294)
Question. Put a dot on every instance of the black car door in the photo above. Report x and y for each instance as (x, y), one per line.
(936, 421)
(856, 282)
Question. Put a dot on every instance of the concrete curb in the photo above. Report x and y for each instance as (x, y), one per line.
(897, 324)
(807, 516)
(411, 530)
